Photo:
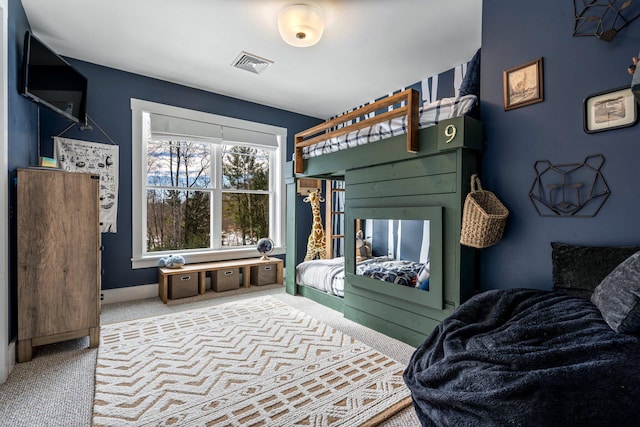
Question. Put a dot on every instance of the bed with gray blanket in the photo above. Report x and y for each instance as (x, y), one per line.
(527, 357)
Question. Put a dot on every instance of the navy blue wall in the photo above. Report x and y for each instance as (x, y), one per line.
(109, 105)
(23, 123)
(22, 133)
(514, 32)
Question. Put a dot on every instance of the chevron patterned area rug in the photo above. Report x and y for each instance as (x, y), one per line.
(257, 362)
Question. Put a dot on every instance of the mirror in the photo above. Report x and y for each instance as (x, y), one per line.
(395, 251)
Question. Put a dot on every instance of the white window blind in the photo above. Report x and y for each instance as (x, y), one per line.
(170, 128)
(237, 136)
(165, 127)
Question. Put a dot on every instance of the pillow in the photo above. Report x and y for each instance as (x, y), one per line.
(577, 270)
(618, 297)
(471, 82)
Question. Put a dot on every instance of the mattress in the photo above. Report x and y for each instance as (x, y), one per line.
(429, 115)
(327, 275)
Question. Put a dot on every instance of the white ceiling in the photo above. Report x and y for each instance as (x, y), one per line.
(369, 47)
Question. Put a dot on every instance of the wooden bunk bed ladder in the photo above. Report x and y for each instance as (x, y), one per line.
(323, 132)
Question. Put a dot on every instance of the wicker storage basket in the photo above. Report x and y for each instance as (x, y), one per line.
(483, 217)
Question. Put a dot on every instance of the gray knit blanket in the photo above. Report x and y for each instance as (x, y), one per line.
(523, 357)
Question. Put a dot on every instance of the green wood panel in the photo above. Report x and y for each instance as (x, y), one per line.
(459, 132)
(291, 238)
(331, 301)
(432, 298)
(445, 183)
(385, 151)
(368, 313)
(469, 134)
(288, 172)
(411, 300)
(429, 196)
(383, 176)
(388, 309)
(418, 167)
(390, 329)
(468, 256)
(449, 200)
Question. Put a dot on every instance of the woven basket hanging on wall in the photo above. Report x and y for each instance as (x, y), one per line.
(483, 217)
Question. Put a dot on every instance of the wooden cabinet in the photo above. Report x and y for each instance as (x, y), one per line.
(58, 258)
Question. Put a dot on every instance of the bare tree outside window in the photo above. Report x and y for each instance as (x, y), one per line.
(180, 191)
(178, 195)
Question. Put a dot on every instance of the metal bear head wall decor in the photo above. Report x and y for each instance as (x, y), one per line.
(603, 18)
(569, 189)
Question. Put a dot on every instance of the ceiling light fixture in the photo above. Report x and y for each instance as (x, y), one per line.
(300, 25)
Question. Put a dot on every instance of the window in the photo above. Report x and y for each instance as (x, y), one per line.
(205, 186)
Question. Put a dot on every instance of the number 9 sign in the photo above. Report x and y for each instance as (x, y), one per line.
(450, 133)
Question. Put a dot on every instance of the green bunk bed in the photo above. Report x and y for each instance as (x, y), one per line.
(422, 176)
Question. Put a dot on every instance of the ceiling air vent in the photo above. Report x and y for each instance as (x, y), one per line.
(250, 62)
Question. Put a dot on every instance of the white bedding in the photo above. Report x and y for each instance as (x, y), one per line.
(429, 115)
(327, 275)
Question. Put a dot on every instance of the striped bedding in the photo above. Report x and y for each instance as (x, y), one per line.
(430, 114)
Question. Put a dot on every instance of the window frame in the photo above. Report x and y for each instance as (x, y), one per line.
(140, 257)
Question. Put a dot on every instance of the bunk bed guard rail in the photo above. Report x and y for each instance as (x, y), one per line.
(324, 132)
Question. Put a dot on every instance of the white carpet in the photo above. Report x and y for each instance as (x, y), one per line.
(256, 362)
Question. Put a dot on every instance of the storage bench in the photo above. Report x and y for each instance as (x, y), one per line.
(202, 268)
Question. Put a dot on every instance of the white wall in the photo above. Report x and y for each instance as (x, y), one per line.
(7, 358)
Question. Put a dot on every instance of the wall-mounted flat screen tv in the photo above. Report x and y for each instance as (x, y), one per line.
(50, 80)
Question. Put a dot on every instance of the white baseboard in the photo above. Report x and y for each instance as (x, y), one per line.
(130, 293)
(9, 361)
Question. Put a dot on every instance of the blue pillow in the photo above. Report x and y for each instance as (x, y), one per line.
(618, 296)
(471, 82)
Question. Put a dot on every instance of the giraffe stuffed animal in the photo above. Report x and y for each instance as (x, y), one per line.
(316, 248)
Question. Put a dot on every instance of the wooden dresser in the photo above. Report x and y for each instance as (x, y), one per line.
(58, 258)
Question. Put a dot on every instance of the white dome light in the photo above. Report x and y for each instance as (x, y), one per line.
(300, 25)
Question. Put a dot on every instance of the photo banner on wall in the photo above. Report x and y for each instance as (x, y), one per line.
(74, 155)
